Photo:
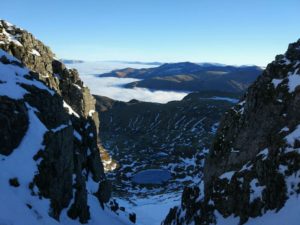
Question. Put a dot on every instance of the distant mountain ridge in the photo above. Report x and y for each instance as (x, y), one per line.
(187, 76)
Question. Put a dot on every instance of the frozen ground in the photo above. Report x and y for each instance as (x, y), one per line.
(112, 87)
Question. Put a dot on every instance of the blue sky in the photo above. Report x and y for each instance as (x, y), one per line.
(224, 31)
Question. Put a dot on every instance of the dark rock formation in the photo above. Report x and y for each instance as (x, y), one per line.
(254, 160)
(104, 191)
(70, 158)
(14, 123)
(132, 217)
(14, 182)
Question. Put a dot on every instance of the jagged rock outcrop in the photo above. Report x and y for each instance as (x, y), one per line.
(253, 165)
(38, 90)
(40, 59)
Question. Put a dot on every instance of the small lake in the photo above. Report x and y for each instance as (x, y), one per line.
(151, 176)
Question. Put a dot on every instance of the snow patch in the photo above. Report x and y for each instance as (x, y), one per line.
(77, 86)
(59, 128)
(256, 190)
(294, 82)
(227, 175)
(12, 76)
(91, 112)
(152, 210)
(289, 214)
(214, 127)
(77, 135)
(35, 52)
(11, 38)
(293, 136)
(276, 82)
(70, 110)
(284, 129)
(264, 153)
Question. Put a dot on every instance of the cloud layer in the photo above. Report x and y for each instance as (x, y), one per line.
(112, 87)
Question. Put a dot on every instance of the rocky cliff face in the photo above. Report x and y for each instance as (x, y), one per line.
(49, 131)
(252, 168)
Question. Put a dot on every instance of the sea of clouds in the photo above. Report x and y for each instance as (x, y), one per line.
(113, 87)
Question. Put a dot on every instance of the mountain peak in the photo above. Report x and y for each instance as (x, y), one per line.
(293, 52)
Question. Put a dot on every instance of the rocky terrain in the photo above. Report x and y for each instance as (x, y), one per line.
(50, 163)
(251, 173)
(172, 136)
(191, 77)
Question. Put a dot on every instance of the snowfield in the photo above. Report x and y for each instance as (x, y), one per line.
(152, 210)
